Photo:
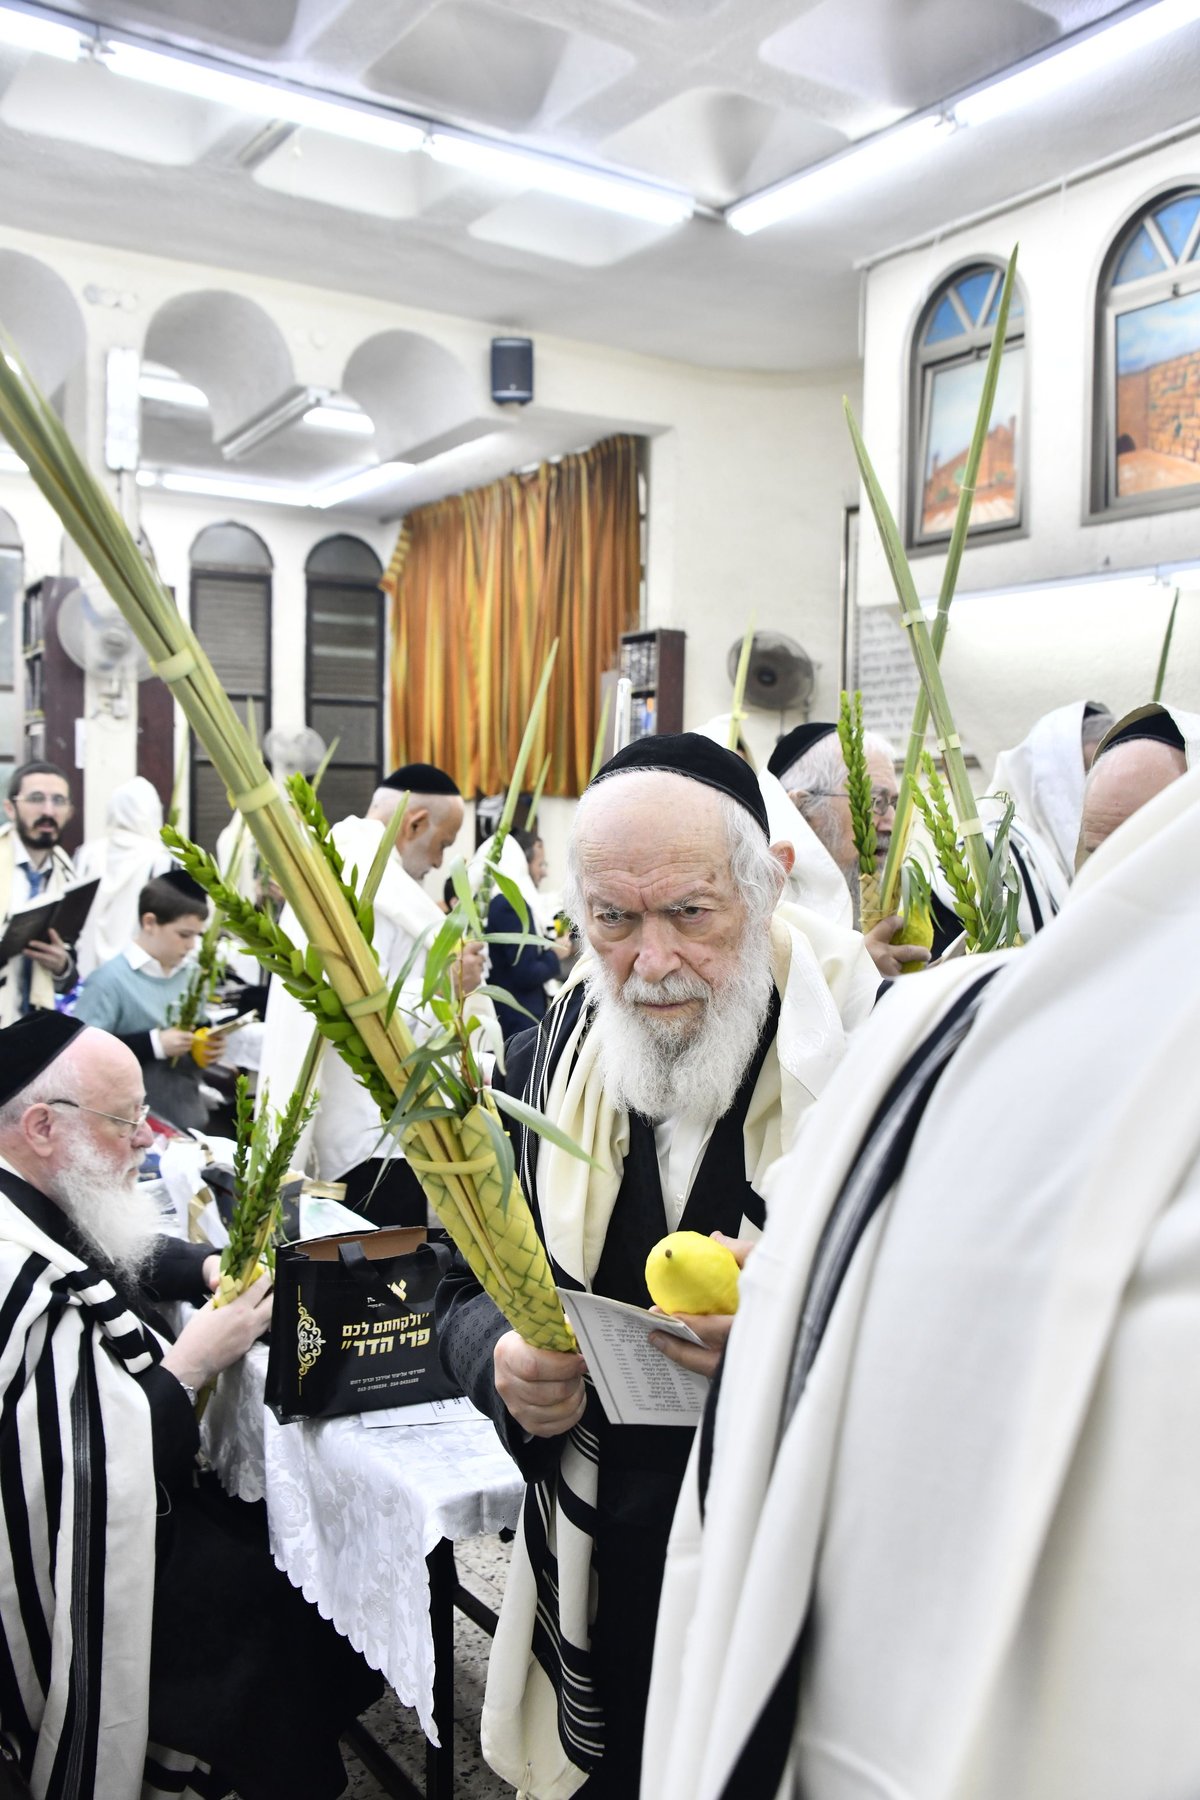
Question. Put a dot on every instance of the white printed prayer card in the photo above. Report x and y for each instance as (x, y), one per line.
(636, 1383)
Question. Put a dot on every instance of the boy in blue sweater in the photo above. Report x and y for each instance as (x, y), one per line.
(134, 993)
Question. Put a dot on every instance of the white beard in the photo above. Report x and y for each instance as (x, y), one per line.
(119, 1218)
(659, 1067)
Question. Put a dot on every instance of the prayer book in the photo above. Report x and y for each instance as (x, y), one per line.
(32, 924)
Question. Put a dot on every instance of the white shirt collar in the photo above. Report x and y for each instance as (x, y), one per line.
(140, 959)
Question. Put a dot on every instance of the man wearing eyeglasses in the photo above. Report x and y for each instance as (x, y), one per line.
(808, 762)
(33, 867)
(113, 1551)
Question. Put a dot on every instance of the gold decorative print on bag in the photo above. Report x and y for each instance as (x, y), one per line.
(400, 1289)
(309, 1342)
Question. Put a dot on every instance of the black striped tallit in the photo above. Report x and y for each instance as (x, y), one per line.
(78, 1505)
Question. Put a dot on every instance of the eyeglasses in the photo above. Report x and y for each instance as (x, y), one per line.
(883, 800)
(55, 802)
(133, 1126)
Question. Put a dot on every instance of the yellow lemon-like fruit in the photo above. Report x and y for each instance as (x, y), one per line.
(690, 1273)
(916, 929)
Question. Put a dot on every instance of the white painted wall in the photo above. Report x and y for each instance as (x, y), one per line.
(1007, 658)
(748, 476)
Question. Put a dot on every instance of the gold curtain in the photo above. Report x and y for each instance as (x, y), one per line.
(481, 585)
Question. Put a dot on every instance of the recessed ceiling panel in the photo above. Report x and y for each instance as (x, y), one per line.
(546, 225)
(264, 25)
(311, 165)
(907, 56)
(82, 103)
(719, 145)
(468, 60)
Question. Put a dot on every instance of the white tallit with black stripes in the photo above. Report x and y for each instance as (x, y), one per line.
(946, 1543)
(78, 1501)
(542, 1726)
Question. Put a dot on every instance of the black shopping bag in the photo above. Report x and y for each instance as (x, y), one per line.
(352, 1325)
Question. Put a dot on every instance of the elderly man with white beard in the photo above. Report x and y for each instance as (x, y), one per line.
(139, 1609)
(680, 1056)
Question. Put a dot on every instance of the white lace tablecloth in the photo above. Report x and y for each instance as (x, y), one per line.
(354, 1510)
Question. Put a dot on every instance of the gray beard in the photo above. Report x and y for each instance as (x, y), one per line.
(658, 1068)
(120, 1220)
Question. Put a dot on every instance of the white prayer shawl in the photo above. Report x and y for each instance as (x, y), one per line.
(985, 1497)
(347, 1127)
(79, 1506)
(815, 883)
(123, 861)
(1044, 776)
(827, 984)
(14, 897)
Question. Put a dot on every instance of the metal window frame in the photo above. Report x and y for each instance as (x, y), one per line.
(313, 584)
(924, 360)
(1102, 502)
(218, 572)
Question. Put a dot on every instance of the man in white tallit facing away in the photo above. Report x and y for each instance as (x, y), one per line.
(1043, 775)
(949, 1544)
(346, 1132)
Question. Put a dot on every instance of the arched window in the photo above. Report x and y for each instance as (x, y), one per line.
(1148, 363)
(344, 668)
(12, 581)
(231, 615)
(950, 349)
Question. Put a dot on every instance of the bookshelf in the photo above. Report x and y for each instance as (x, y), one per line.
(652, 661)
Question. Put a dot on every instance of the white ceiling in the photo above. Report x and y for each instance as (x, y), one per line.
(717, 96)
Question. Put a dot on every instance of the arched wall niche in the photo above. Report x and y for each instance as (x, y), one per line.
(416, 391)
(44, 320)
(226, 345)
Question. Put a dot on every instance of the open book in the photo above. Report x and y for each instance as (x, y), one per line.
(636, 1383)
(33, 924)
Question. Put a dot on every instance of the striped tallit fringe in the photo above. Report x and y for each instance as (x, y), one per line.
(78, 1503)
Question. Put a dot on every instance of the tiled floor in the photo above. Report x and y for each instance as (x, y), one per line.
(482, 1565)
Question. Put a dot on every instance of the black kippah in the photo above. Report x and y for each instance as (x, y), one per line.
(696, 758)
(30, 1046)
(184, 884)
(421, 778)
(793, 744)
(1153, 722)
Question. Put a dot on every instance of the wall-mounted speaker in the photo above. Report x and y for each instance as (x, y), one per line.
(512, 371)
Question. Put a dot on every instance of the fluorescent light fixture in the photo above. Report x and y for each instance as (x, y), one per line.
(340, 418)
(292, 406)
(358, 487)
(246, 93)
(863, 163)
(216, 487)
(27, 31)
(173, 393)
(550, 175)
(1101, 48)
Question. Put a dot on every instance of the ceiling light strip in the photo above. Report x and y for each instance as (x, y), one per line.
(223, 84)
(1083, 54)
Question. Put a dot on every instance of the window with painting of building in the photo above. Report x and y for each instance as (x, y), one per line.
(949, 355)
(1148, 366)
